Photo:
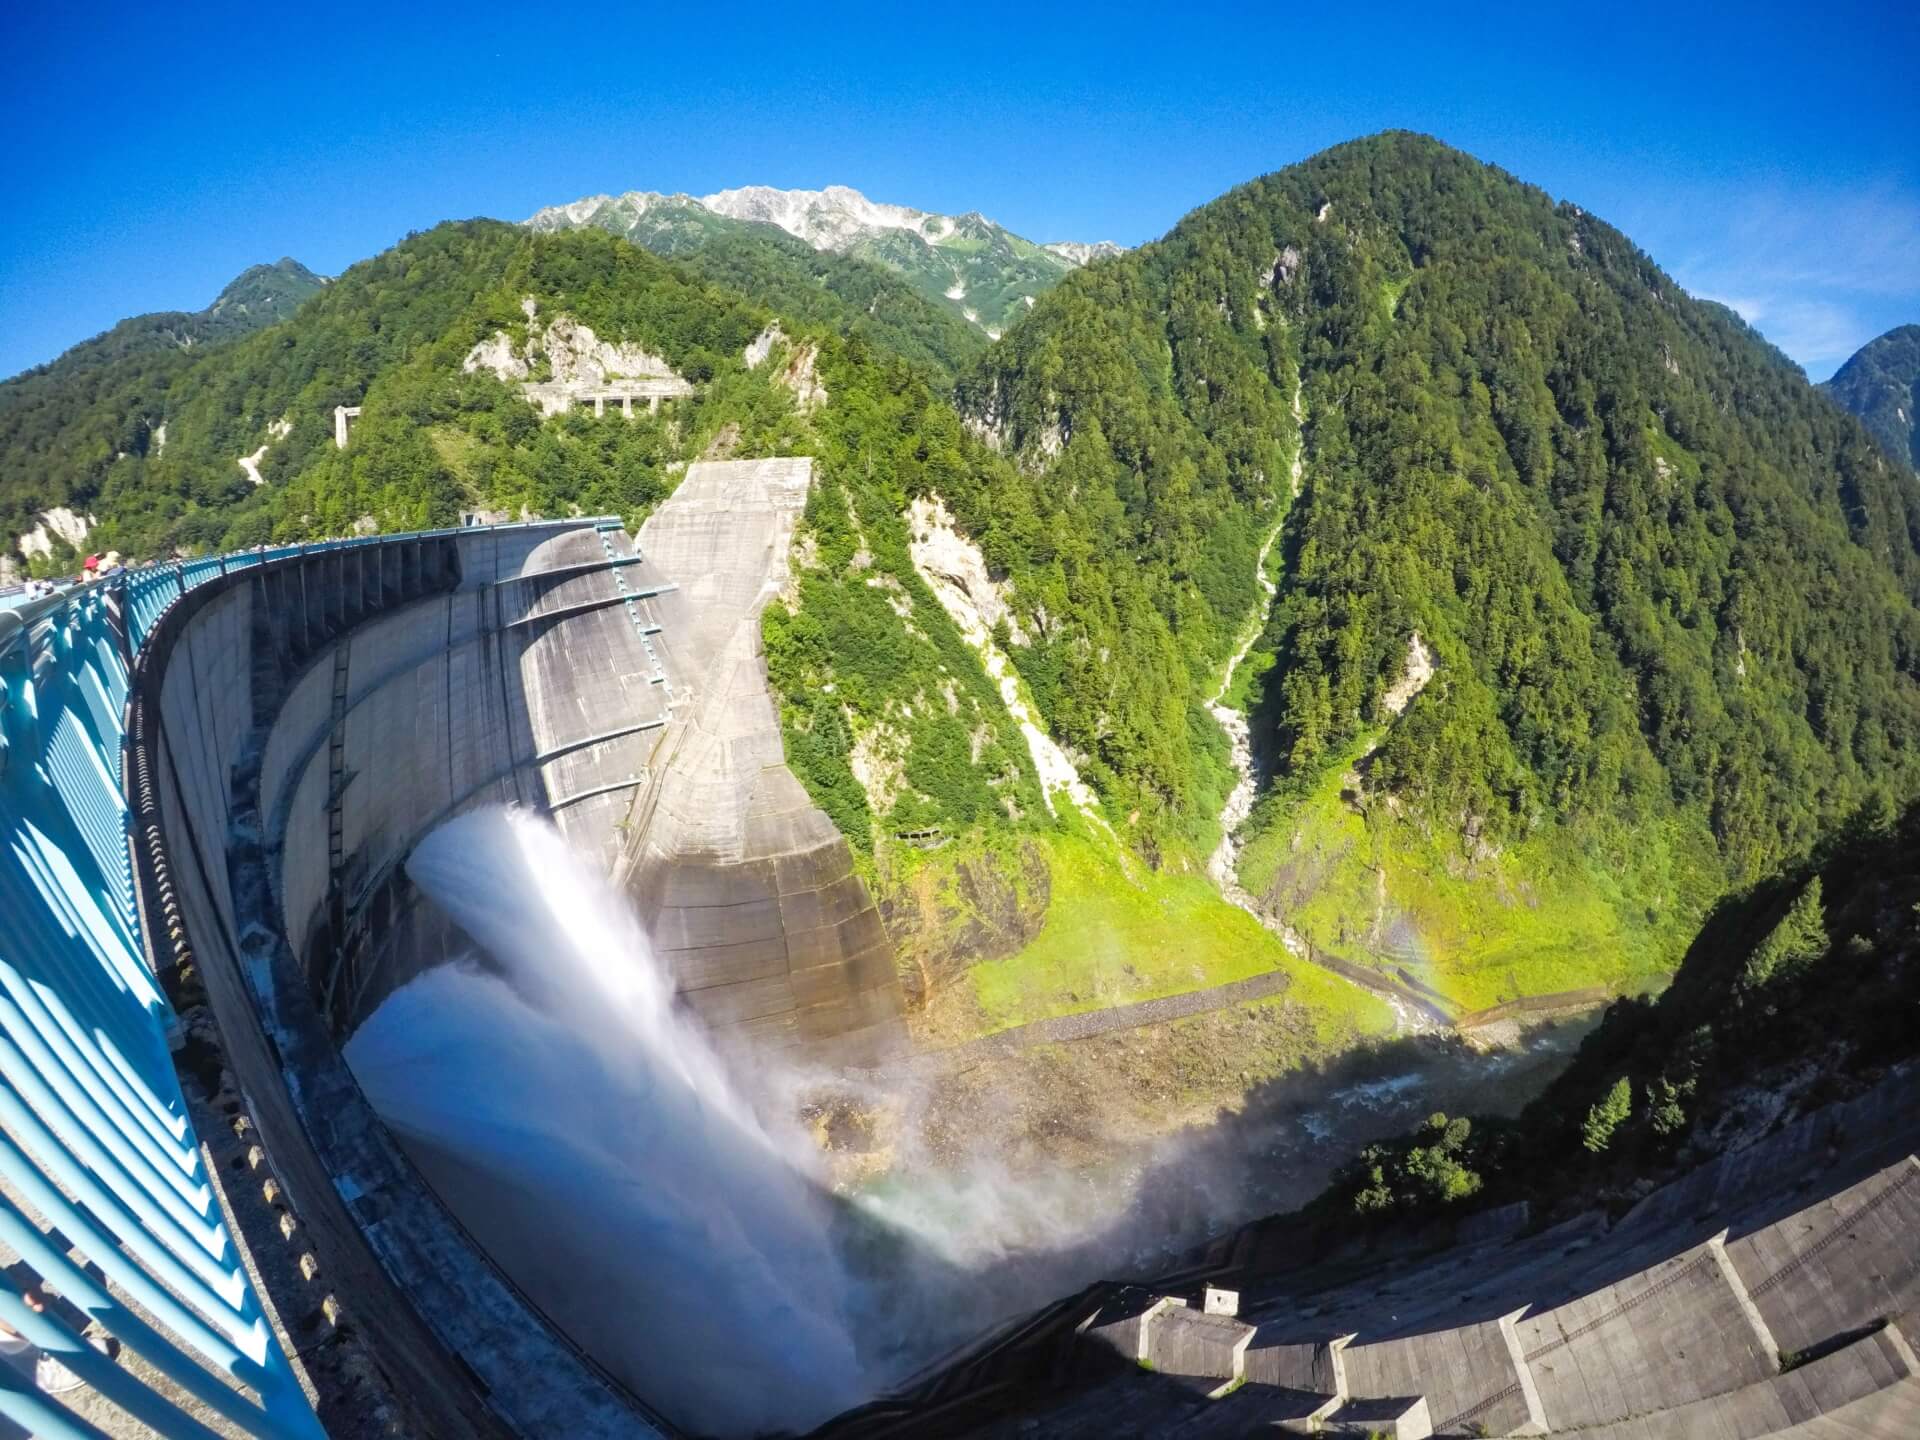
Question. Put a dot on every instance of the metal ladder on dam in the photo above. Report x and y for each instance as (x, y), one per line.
(110, 1224)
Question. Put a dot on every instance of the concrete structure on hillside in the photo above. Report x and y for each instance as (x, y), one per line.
(747, 888)
(343, 418)
(1772, 1292)
(556, 397)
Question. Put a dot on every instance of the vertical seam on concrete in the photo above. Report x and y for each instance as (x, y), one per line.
(1529, 1392)
(1769, 1348)
(447, 715)
(1336, 1355)
(497, 638)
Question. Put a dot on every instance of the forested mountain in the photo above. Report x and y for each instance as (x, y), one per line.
(966, 265)
(1667, 591)
(147, 426)
(1881, 384)
(1589, 608)
(819, 287)
(63, 423)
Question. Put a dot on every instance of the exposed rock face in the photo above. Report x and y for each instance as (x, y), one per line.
(943, 918)
(761, 346)
(746, 887)
(57, 523)
(947, 258)
(947, 559)
(1412, 680)
(581, 365)
(956, 572)
(278, 430)
(799, 377)
(1081, 252)
(496, 353)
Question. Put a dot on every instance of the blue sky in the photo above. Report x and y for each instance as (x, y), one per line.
(1766, 157)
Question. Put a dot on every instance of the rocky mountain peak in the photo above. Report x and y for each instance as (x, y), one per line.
(966, 263)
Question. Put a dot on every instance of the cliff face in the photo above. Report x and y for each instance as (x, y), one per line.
(746, 887)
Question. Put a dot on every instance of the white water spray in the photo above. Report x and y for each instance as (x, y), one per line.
(592, 1141)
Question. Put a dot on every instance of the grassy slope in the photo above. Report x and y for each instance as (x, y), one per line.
(1530, 919)
(1113, 939)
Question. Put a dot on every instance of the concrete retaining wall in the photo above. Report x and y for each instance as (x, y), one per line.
(747, 888)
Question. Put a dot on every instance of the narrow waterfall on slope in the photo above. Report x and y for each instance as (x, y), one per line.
(589, 1137)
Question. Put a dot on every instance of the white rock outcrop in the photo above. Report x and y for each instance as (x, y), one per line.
(1413, 679)
(956, 572)
(947, 559)
(1082, 252)
(761, 346)
(809, 394)
(581, 365)
(276, 430)
(251, 464)
(496, 354)
(56, 523)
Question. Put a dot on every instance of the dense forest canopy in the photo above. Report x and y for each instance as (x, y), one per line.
(64, 423)
(390, 336)
(1662, 579)
(1795, 994)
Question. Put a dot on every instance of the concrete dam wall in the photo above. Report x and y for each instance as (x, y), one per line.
(308, 721)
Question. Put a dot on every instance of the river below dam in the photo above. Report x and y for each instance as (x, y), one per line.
(675, 1217)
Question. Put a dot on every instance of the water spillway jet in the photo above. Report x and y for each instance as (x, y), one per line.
(587, 1134)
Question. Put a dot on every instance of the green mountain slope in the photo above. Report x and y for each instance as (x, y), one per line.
(1881, 384)
(1588, 607)
(1668, 593)
(818, 287)
(1794, 995)
(65, 423)
(87, 431)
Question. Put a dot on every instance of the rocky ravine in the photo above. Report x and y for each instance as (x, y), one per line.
(1223, 865)
(1411, 1016)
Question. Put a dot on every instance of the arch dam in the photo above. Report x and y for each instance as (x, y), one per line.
(211, 775)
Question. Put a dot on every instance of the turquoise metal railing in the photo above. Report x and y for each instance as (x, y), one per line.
(96, 1137)
(94, 1131)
